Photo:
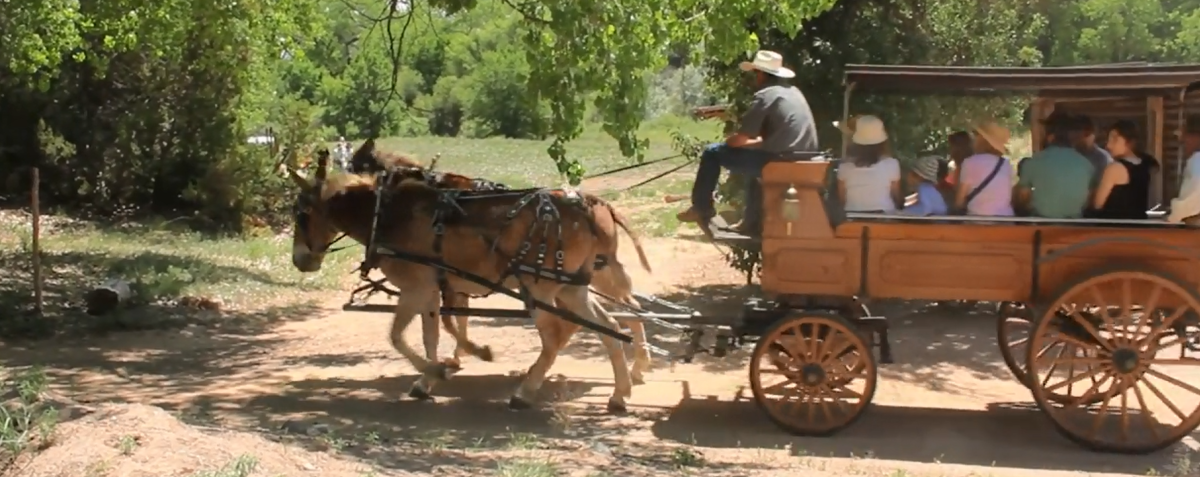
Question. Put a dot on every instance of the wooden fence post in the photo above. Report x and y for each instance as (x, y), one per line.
(35, 243)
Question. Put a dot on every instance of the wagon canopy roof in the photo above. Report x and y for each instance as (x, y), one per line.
(1119, 78)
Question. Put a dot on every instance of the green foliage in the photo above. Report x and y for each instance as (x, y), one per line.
(136, 106)
(26, 422)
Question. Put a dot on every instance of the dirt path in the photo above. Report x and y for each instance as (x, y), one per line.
(949, 407)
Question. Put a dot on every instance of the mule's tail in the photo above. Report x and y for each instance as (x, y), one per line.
(619, 219)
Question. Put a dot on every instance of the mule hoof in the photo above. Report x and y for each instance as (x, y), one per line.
(615, 407)
(419, 394)
(637, 379)
(518, 404)
(485, 353)
(441, 371)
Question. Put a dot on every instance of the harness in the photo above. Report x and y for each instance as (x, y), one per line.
(448, 207)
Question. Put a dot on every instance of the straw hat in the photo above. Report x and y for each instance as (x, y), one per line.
(994, 134)
(847, 127)
(868, 131)
(927, 168)
(768, 62)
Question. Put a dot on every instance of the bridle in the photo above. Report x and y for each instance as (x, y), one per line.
(304, 204)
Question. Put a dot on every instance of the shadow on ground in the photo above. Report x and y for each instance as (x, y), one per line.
(1023, 436)
(374, 420)
(68, 276)
(925, 338)
(164, 364)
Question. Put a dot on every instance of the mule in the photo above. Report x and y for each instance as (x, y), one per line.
(611, 281)
(485, 234)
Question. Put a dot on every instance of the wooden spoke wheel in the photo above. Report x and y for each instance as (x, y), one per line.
(1014, 322)
(1121, 392)
(813, 374)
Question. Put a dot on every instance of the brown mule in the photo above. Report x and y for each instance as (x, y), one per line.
(485, 234)
(611, 281)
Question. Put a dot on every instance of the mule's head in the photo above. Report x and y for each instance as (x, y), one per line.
(312, 232)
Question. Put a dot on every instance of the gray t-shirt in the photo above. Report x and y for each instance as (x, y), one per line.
(781, 116)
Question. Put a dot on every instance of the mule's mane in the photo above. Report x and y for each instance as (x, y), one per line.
(368, 158)
(338, 183)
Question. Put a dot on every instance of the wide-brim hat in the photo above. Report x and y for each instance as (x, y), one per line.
(927, 168)
(768, 62)
(995, 135)
(868, 131)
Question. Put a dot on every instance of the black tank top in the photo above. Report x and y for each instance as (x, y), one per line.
(1130, 200)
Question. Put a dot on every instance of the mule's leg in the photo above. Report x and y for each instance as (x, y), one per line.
(459, 330)
(430, 335)
(407, 307)
(460, 321)
(554, 336)
(641, 355)
(553, 333)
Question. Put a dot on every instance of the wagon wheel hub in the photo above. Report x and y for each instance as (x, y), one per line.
(1125, 360)
(812, 374)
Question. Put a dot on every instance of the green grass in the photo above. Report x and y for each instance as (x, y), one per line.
(26, 424)
(523, 163)
(164, 264)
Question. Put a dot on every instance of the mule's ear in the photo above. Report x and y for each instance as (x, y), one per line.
(298, 179)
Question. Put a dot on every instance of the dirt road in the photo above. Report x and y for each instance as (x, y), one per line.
(949, 407)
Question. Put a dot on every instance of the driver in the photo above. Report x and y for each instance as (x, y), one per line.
(779, 121)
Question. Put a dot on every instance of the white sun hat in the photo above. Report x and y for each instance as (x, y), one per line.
(768, 62)
(868, 131)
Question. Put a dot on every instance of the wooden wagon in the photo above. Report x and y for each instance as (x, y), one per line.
(1100, 302)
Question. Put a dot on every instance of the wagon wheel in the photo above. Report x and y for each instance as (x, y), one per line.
(828, 378)
(1141, 408)
(779, 353)
(1014, 322)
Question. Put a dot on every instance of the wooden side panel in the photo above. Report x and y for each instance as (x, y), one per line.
(1083, 261)
(812, 267)
(920, 269)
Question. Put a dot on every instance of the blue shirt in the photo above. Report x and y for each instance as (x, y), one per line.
(929, 202)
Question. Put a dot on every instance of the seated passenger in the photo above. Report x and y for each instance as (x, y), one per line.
(1085, 143)
(1055, 182)
(779, 120)
(869, 179)
(922, 178)
(960, 149)
(1186, 208)
(985, 181)
(1124, 188)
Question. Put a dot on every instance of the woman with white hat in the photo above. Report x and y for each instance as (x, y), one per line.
(869, 179)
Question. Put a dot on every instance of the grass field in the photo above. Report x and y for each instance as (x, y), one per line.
(169, 269)
(524, 163)
(521, 162)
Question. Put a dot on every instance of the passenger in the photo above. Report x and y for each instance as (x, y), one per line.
(1056, 181)
(922, 178)
(1186, 208)
(1124, 188)
(960, 149)
(985, 182)
(779, 121)
(1085, 134)
(869, 180)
